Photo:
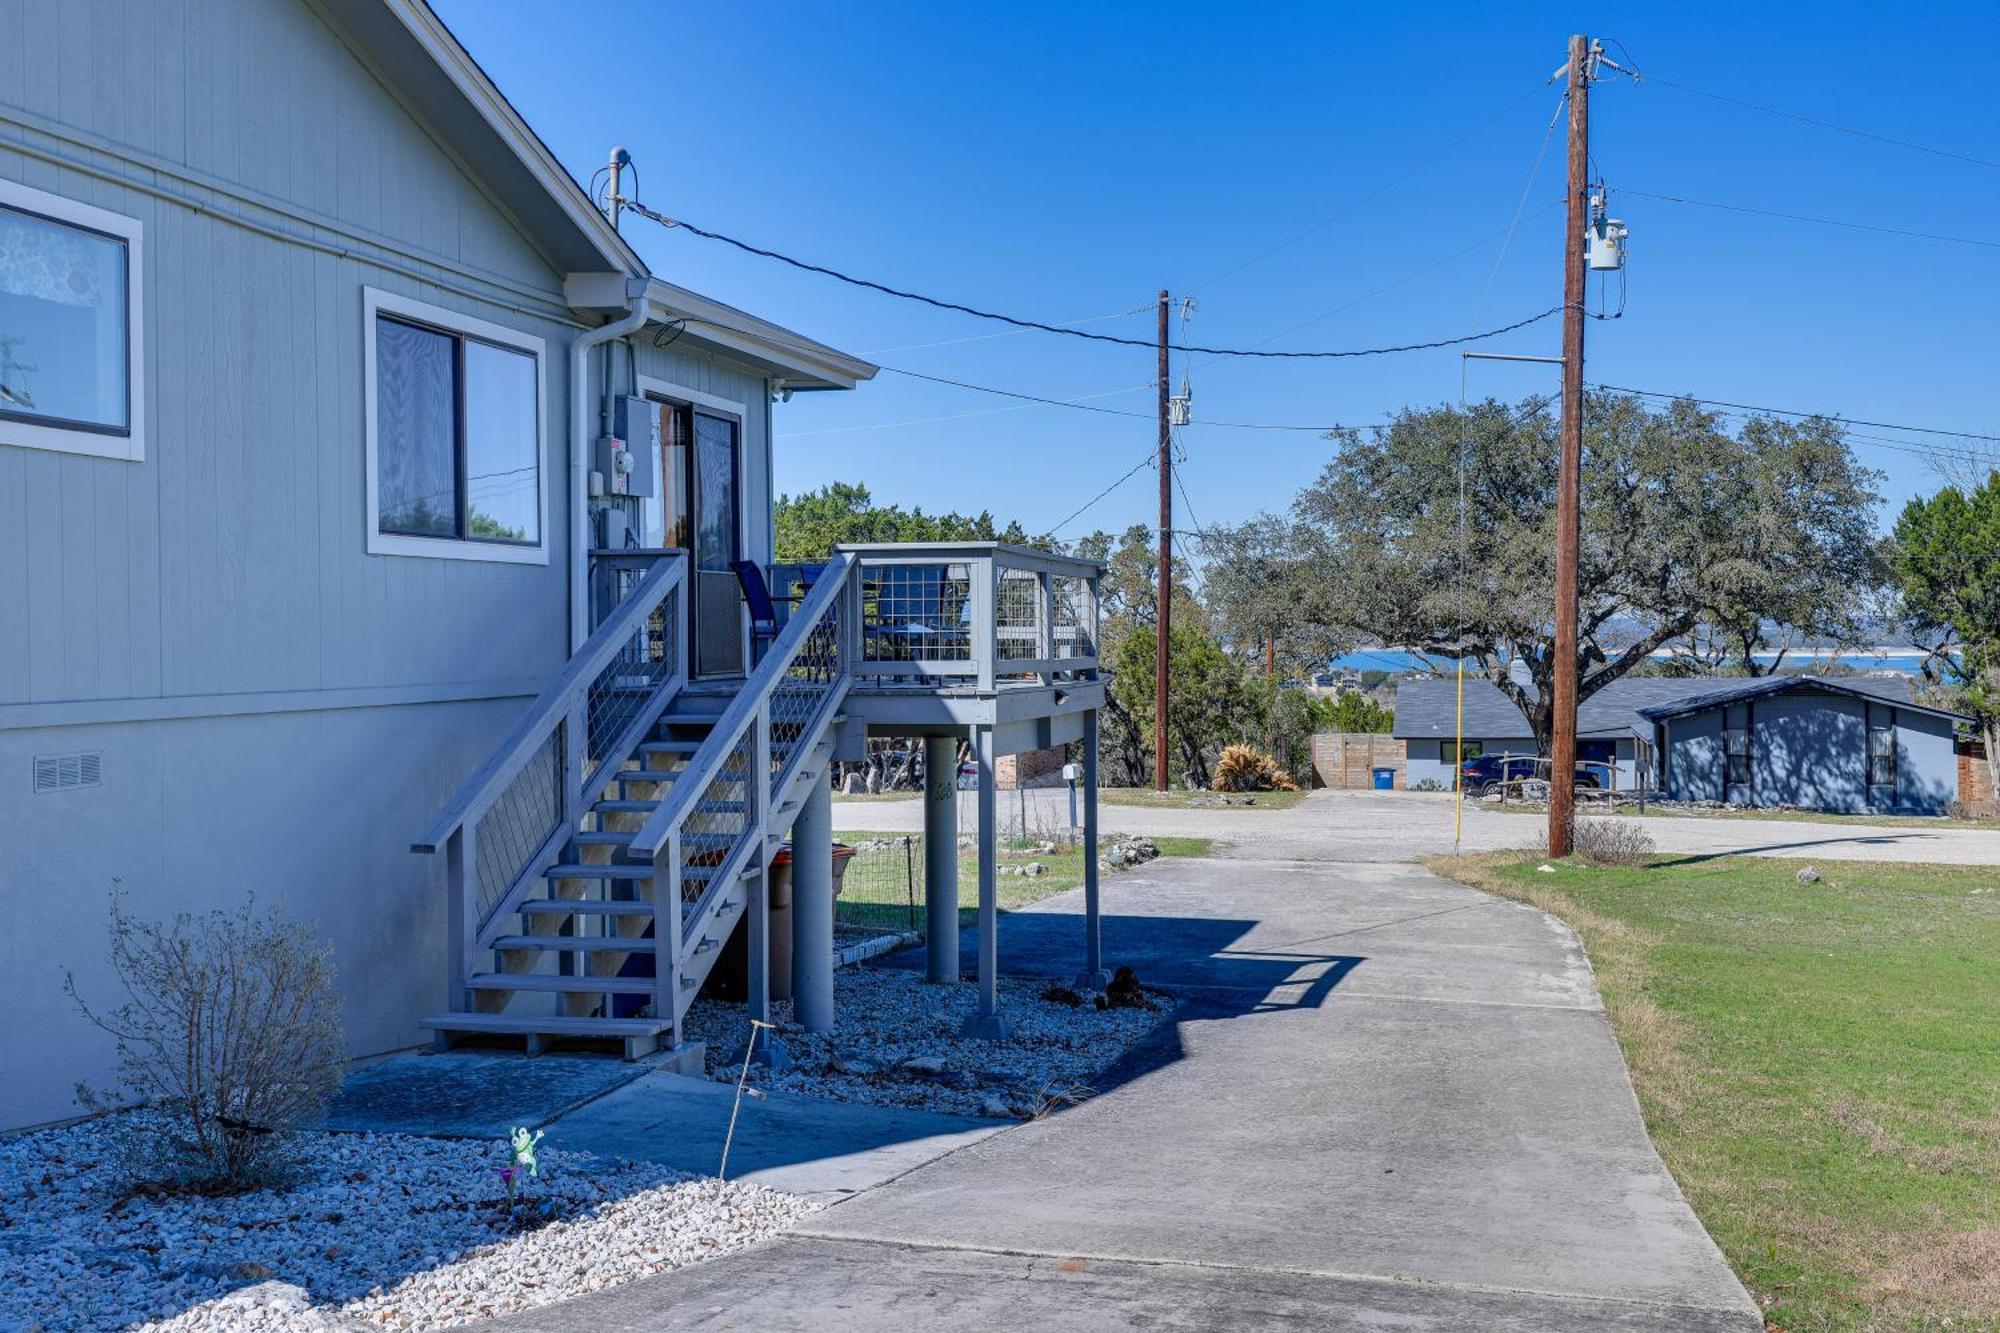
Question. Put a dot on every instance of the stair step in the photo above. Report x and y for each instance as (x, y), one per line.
(604, 837)
(604, 870)
(654, 775)
(585, 907)
(626, 807)
(547, 1024)
(544, 981)
(577, 943)
(669, 747)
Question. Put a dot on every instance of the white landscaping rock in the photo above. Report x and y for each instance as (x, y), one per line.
(379, 1231)
(895, 1043)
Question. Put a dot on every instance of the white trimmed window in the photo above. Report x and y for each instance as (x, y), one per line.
(71, 324)
(456, 464)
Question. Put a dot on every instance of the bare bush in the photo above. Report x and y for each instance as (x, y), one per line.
(228, 1041)
(1611, 842)
(1600, 841)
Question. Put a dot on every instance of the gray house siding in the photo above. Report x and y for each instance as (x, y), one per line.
(277, 710)
(1694, 757)
(1426, 758)
(1810, 750)
(1926, 766)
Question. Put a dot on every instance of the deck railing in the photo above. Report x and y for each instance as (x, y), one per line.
(508, 821)
(710, 826)
(984, 615)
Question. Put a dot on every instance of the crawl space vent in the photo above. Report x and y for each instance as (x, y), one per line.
(67, 772)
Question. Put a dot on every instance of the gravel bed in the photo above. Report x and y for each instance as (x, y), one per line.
(376, 1231)
(896, 1043)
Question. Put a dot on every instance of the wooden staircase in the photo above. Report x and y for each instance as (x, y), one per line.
(609, 931)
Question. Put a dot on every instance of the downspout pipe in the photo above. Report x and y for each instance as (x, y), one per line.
(579, 452)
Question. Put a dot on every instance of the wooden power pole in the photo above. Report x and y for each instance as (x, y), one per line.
(1562, 741)
(1165, 616)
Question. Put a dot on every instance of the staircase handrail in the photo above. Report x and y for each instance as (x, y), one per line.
(557, 702)
(743, 712)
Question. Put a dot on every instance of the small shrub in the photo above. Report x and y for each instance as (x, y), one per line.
(1600, 841)
(1246, 768)
(1611, 842)
(1427, 784)
(229, 1040)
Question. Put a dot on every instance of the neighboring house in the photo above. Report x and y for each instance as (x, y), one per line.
(306, 346)
(1848, 744)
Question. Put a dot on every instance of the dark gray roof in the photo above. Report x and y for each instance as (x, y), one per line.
(1858, 687)
(1427, 708)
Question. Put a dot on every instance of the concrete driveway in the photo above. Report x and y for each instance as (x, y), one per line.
(1386, 1102)
(1400, 826)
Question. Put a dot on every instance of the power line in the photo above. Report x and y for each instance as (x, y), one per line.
(1081, 403)
(1010, 333)
(1075, 403)
(1319, 428)
(1080, 509)
(1794, 412)
(1817, 221)
(1044, 327)
(1824, 124)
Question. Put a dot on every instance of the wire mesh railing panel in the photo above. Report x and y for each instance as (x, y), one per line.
(628, 681)
(715, 826)
(1072, 634)
(882, 888)
(796, 697)
(1017, 616)
(916, 613)
(528, 810)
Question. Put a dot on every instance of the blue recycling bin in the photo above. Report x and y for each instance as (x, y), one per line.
(1385, 779)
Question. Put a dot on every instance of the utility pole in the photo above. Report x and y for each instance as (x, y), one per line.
(1562, 741)
(1165, 617)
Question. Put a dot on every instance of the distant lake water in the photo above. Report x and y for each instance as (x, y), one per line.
(1877, 659)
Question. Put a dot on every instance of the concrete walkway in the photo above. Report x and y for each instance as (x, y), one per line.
(1387, 1102)
(1400, 826)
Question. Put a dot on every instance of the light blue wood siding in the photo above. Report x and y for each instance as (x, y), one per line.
(232, 560)
(276, 710)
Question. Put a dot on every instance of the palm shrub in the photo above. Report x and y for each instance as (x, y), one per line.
(228, 1042)
(1246, 768)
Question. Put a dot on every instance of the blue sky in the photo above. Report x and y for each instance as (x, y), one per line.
(1065, 162)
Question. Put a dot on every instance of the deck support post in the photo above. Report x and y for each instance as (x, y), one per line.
(812, 911)
(1094, 976)
(769, 1052)
(988, 1022)
(941, 859)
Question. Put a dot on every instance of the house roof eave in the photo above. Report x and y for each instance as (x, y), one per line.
(412, 51)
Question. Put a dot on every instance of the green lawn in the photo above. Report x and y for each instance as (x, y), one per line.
(1180, 799)
(1802, 816)
(1818, 1064)
(878, 890)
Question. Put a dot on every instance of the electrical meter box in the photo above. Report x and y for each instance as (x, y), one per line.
(635, 423)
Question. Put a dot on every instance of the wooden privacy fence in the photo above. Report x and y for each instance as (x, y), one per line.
(1350, 758)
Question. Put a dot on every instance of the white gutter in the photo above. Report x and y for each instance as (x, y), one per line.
(579, 453)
